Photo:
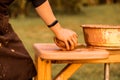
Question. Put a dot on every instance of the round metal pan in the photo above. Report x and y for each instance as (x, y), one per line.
(104, 36)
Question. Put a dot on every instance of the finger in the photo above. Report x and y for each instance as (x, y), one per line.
(75, 40)
(67, 45)
(75, 34)
(71, 44)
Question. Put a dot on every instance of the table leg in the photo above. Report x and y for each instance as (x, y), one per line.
(67, 71)
(43, 69)
(106, 71)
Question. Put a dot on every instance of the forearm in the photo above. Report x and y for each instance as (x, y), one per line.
(45, 12)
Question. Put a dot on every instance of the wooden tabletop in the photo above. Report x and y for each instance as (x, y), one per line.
(51, 52)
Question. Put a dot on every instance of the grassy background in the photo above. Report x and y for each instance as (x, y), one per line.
(33, 30)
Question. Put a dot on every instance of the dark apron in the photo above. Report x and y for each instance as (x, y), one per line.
(15, 62)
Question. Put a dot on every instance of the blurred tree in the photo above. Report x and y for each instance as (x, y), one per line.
(71, 6)
(22, 4)
(92, 2)
(56, 5)
(59, 5)
(109, 1)
(20, 7)
(14, 9)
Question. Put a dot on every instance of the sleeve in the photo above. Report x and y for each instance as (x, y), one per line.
(37, 3)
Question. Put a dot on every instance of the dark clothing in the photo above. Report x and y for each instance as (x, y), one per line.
(15, 61)
(36, 3)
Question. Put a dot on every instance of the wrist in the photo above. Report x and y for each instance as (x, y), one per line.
(53, 23)
(56, 28)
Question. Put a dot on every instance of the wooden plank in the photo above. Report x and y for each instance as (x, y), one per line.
(48, 71)
(43, 70)
(52, 52)
(113, 58)
(67, 72)
(106, 71)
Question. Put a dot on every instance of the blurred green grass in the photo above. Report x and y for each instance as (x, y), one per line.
(33, 30)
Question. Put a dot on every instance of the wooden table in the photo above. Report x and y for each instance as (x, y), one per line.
(47, 54)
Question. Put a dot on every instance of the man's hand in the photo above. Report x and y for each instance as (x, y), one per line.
(68, 36)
